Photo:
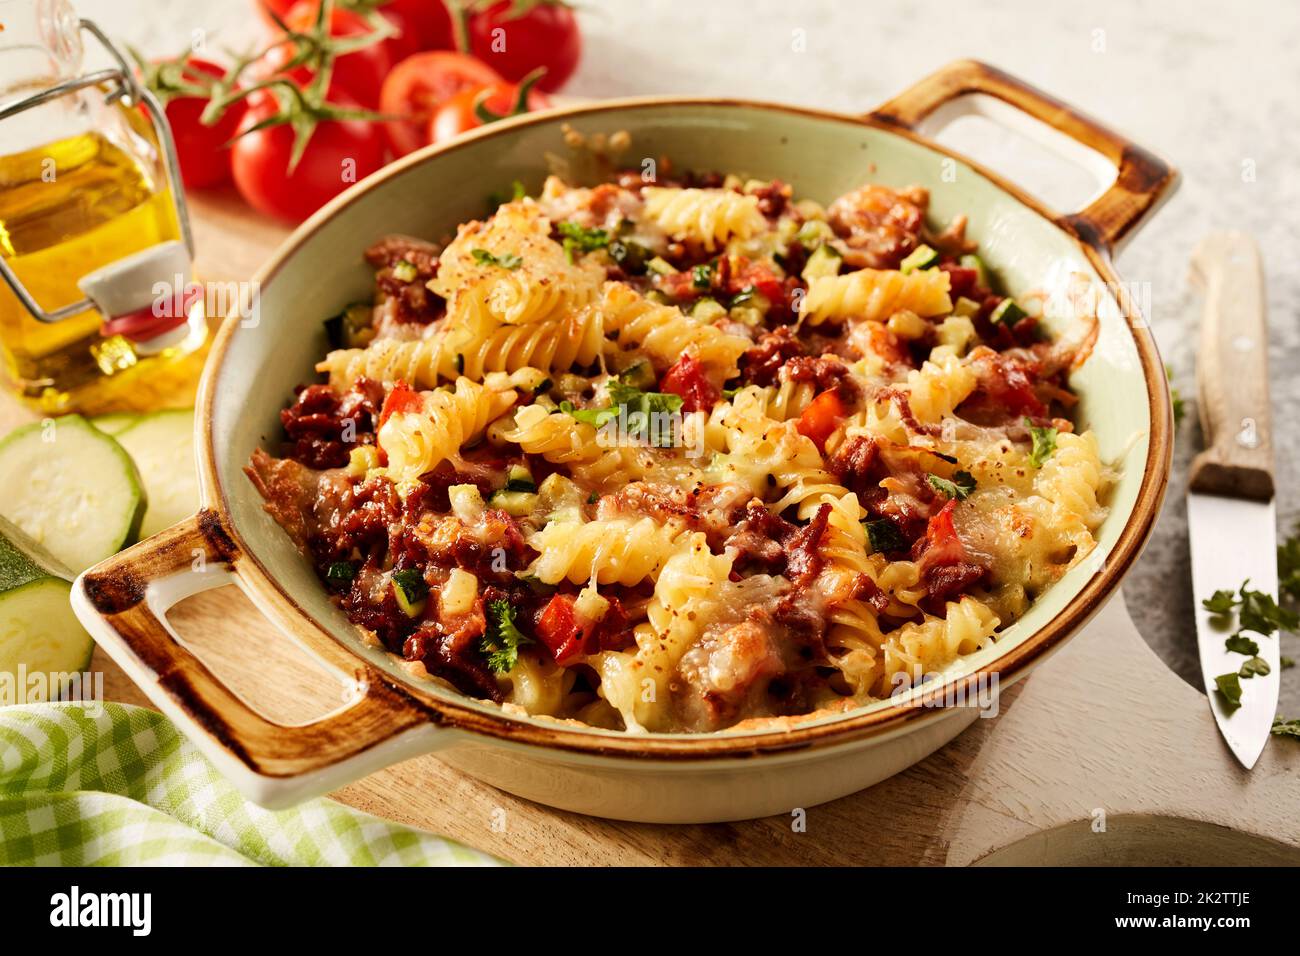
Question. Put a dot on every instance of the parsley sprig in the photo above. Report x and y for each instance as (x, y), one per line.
(1044, 439)
(502, 639)
(507, 260)
(959, 486)
(1258, 613)
(580, 239)
(629, 401)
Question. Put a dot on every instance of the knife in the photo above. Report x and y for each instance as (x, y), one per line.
(1230, 511)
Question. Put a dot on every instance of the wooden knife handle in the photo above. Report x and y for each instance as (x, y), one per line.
(1232, 371)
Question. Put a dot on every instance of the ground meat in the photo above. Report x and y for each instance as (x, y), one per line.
(455, 657)
(803, 549)
(412, 301)
(762, 364)
(322, 427)
(773, 198)
(880, 225)
(766, 541)
(948, 580)
(823, 371)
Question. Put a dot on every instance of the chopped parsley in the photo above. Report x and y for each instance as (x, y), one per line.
(959, 486)
(702, 275)
(1222, 602)
(579, 239)
(884, 535)
(1286, 662)
(1256, 611)
(1240, 644)
(1255, 667)
(502, 639)
(1044, 439)
(630, 401)
(1229, 686)
(507, 260)
(1180, 408)
(1286, 728)
(517, 192)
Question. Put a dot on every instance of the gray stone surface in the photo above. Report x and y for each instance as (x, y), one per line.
(1214, 87)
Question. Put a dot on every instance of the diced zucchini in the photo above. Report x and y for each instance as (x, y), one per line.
(466, 502)
(39, 634)
(341, 573)
(640, 374)
(966, 307)
(922, 257)
(972, 261)
(162, 446)
(661, 266)
(519, 478)
(351, 328)
(813, 234)
(458, 594)
(410, 590)
(631, 257)
(824, 261)
(1007, 312)
(517, 504)
(707, 310)
(72, 489)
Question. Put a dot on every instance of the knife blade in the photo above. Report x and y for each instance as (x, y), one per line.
(1230, 510)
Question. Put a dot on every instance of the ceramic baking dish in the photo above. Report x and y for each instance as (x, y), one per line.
(674, 778)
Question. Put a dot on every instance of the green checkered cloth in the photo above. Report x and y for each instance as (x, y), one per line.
(115, 785)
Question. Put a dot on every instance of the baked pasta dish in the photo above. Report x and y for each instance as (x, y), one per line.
(684, 453)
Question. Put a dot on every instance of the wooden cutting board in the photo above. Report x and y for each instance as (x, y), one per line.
(1103, 756)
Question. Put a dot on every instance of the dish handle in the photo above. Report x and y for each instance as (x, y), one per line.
(1142, 179)
(124, 601)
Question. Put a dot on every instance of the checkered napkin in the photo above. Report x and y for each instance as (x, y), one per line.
(116, 785)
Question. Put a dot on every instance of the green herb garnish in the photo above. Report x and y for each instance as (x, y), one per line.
(1286, 728)
(631, 401)
(1044, 439)
(1229, 686)
(884, 535)
(1240, 644)
(1288, 566)
(580, 239)
(507, 260)
(959, 486)
(702, 275)
(502, 639)
(1221, 603)
(517, 192)
(1255, 667)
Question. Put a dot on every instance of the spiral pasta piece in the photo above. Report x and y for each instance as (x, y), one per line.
(417, 441)
(927, 647)
(611, 551)
(710, 217)
(876, 294)
(557, 437)
(666, 333)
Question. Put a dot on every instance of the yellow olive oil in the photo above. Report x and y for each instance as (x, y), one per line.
(67, 209)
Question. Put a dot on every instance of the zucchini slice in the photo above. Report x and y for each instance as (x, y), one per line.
(72, 489)
(162, 445)
(115, 423)
(39, 634)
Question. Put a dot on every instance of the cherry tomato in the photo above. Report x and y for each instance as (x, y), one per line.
(688, 379)
(545, 35)
(431, 24)
(204, 158)
(267, 7)
(340, 153)
(359, 74)
(419, 84)
(457, 115)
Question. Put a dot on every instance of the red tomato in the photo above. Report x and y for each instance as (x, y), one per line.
(688, 379)
(358, 75)
(402, 398)
(456, 115)
(942, 545)
(340, 152)
(822, 416)
(431, 25)
(546, 35)
(204, 158)
(419, 84)
(266, 7)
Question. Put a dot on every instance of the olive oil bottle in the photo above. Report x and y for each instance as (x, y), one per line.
(82, 185)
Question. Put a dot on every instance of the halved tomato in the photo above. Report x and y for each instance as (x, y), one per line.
(419, 84)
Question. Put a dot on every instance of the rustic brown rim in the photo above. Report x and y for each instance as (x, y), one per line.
(449, 712)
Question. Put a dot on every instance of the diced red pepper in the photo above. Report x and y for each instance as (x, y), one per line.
(761, 279)
(402, 398)
(942, 545)
(560, 629)
(688, 379)
(822, 416)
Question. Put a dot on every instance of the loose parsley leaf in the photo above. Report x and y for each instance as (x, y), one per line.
(589, 416)
(580, 239)
(884, 535)
(1239, 644)
(1229, 686)
(1180, 407)
(630, 401)
(502, 640)
(517, 192)
(1255, 667)
(1286, 662)
(1288, 566)
(1286, 728)
(1261, 614)
(507, 260)
(1221, 603)
(960, 487)
(1044, 443)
